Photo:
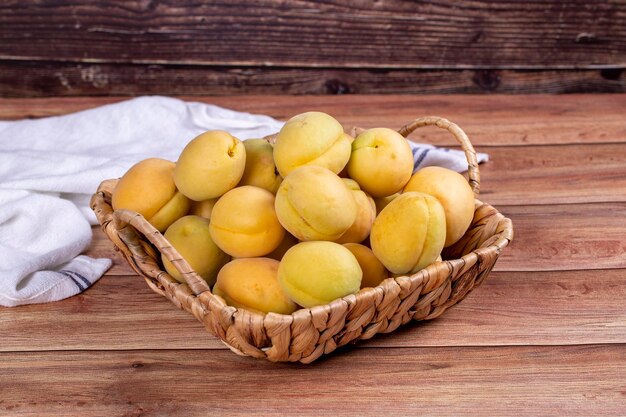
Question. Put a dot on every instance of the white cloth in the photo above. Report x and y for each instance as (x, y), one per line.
(428, 155)
(50, 167)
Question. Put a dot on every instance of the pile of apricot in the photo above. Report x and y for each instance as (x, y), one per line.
(316, 216)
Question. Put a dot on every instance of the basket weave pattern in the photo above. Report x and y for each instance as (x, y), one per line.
(309, 333)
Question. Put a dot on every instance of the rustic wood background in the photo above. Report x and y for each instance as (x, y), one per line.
(86, 47)
(545, 334)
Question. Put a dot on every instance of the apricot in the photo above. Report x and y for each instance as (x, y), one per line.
(381, 161)
(453, 192)
(203, 208)
(409, 233)
(366, 213)
(260, 169)
(374, 271)
(312, 138)
(288, 241)
(148, 188)
(190, 236)
(252, 283)
(210, 165)
(381, 202)
(316, 273)
(244, 223)
(344, 172)
(313, 203)
(174, 209)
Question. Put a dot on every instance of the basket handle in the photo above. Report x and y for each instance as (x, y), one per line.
(459, 135)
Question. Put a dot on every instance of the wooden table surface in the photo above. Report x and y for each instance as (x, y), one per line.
(544, 335)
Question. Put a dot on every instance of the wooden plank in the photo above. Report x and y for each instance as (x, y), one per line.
(565, 237)
(510, 308)
(46, 79)
(25, 108)
(102, 247)
(558, 174)
(488, 120)
(435, 34)
(547, 238)
(505, 381)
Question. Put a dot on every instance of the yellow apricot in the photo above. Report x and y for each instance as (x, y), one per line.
(210, 165)
(252, 283)
(438, 259)
(366, 213)
(174, 209)
(203, 208)
(374, 271)
(381, 161)
(288, 241)
(148, 188)
(344, 172)
(312, 138)
(453, 192)
(244, 222)
(409, 233)
(260, 169)
(381, 202)
(318, 272)
(190, 236)
(313, 203)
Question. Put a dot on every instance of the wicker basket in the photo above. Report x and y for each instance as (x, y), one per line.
(309, 333)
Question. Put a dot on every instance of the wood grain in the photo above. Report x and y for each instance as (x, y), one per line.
(505, 381)
(498, 120)
(509, 308)
(397, 34)
(45, 79)
(558, 174)
(565, 237)
(544, 335)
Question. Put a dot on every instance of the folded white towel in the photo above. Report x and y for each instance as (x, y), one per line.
(50, 167)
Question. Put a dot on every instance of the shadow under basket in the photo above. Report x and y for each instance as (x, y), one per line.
(309, 333)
